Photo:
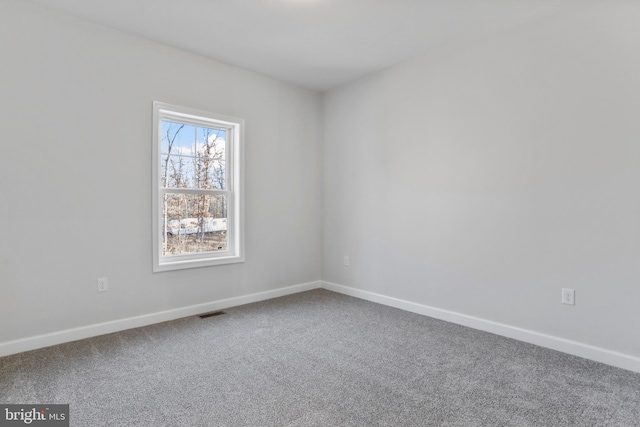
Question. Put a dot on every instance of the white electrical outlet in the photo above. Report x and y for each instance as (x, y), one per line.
(346, 260)
(568, 296)
(103, 284)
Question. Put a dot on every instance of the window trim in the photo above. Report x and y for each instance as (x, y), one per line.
(235, 160)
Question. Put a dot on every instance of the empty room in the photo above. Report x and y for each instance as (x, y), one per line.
(320, 213)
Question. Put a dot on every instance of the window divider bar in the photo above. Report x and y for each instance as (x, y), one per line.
(167, 190)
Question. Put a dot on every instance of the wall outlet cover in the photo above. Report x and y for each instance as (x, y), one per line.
(568, 296)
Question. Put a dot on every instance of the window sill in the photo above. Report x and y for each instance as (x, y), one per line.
(196, 263)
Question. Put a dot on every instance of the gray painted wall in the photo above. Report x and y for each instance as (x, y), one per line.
(75, 170)
(484, 178)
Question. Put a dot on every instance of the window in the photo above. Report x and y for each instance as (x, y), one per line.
(197, 188)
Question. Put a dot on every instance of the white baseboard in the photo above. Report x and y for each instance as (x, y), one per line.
(46, 340)
(575, 348)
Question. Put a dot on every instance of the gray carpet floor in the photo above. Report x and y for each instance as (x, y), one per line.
(319, 359)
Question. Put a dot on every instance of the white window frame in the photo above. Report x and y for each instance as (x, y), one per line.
(235, 186)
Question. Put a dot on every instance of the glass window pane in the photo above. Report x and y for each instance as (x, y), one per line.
(197, 157)
(210, 163)
(177, 138)
(194, 223)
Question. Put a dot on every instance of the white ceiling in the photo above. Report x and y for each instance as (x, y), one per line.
(317, 44)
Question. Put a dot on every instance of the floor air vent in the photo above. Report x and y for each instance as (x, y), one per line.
(211, 314)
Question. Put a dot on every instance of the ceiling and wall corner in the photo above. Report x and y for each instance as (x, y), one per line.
(318, 44)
